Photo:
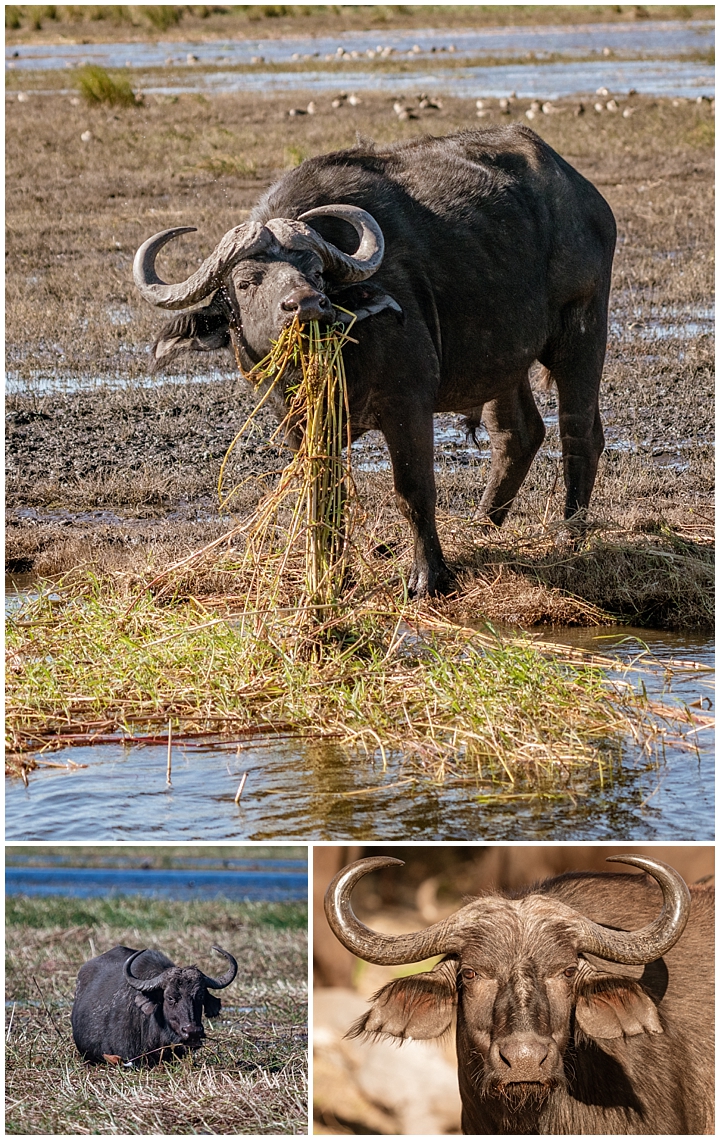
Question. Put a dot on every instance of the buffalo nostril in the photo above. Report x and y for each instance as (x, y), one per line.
(524, 1056)
(305, 303)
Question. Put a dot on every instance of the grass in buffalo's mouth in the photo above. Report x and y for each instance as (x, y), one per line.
(93, 659)
(316, 485)
(249, 1076)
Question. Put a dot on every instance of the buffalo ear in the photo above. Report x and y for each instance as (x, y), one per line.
(146, 1004)
(611, 1006)
(420, 1006)
(201, 331)
(211, 1004)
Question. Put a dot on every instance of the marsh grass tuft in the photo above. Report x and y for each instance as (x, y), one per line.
(389, 680)
(98, 87)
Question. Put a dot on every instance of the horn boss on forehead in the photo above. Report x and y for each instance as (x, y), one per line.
(252, 239)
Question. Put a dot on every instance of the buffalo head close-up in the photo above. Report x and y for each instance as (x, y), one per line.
(580, 1005)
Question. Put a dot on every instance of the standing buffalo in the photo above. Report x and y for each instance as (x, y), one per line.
(478, 254)
(139, 1006)
(569, 1019)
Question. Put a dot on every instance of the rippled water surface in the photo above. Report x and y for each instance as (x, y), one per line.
(651, 37)
(305, 790)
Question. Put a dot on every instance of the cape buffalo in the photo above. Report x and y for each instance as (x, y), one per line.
(487, 252)
(139, 1006)
(569, 1018)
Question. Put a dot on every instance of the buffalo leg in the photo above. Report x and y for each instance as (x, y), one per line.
(577, 371)
(410, 442)
(516, 430)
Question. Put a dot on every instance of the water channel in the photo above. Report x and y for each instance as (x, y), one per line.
(648, 38)
(658, 61)
(277, 882)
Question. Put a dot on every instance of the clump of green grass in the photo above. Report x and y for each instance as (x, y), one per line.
(389, 679)
(248, 1078)
(98, 87)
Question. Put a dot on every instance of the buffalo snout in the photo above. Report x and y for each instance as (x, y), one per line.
(191, 1032)
(524, 1057)
(306, 304)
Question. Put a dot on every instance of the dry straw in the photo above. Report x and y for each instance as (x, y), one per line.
(299, 535)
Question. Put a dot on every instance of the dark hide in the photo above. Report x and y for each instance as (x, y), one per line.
(497, 254)
(550, 1042)
(111, 1019)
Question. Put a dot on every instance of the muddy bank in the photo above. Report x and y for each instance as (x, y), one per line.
(118, 473)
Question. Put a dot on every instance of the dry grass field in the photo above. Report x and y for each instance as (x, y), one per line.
(248, 1078)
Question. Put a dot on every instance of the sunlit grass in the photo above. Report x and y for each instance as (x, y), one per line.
(97, 86)
(93, 658)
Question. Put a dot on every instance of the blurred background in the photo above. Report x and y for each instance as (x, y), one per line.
(380, 1087)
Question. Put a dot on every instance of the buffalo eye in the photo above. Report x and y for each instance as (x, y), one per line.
(570, 972)
(469, 974)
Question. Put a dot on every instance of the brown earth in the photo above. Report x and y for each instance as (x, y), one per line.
(122, 472)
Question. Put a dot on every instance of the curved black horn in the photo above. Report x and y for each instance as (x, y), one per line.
(637, 947)
(228, 976)
(145, 985)
(369, 253)
(242, 241)
(383, 949)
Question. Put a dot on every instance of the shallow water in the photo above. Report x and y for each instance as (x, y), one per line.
(647, 37)
(665, 322)
(662, 79)
(276, 884)
(306, 790)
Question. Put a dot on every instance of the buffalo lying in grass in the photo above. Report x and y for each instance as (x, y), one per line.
(479, 254)
(139, 1007)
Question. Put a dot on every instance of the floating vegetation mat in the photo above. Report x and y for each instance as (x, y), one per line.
(89, 661)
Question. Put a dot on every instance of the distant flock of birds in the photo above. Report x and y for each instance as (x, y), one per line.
(604, 103)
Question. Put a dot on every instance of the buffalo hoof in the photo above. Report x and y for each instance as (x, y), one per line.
(426, 583)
